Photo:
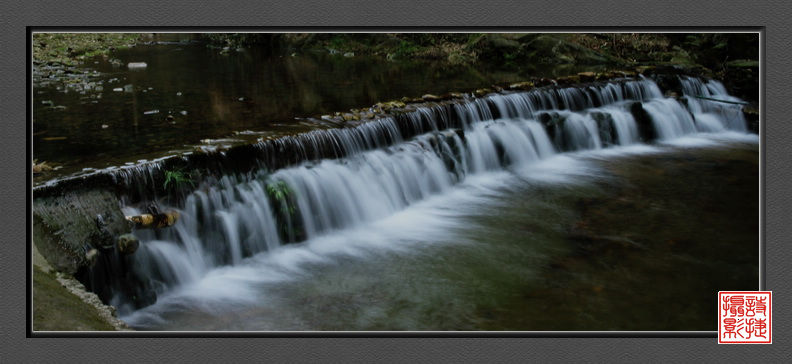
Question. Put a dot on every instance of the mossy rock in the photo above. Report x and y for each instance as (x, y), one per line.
(554, 49)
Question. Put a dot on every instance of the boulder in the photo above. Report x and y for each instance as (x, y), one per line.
(62, 239)
(587, 76)
(127, 244)
(559, 49)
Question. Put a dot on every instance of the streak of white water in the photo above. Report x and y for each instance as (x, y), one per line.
(373, 197)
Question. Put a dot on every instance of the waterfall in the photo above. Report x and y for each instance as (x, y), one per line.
(348, 177)
(712, 115)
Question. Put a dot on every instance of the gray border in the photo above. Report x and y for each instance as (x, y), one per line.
(772, 15)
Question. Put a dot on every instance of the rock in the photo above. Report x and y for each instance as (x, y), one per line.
(397, 104)
(483, 92)
(430, 97)
(521, 85)
(456, 95)
(587, 76)
(137, 65)
(349, 54)
(91, 257)
(567, 80)
(561, 49)
(127, 244)
(108, 313)
(41, 167)
(645, 126)
(496, 46)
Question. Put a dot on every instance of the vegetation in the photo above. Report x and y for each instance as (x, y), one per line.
(177, 179)
(711, 50)
(282, 199)
(72, 48)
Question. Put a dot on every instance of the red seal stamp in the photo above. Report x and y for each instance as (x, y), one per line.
(745, 317)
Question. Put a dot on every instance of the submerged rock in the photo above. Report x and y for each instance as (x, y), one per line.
(136, 65)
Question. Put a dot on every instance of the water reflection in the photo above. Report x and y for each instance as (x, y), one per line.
(189, 92)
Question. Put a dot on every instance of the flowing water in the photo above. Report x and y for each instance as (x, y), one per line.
(539, 210)
(190, 95)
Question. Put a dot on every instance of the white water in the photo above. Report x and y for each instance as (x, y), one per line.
(386, 199)
(713, 115)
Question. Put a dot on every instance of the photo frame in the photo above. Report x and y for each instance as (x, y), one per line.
(463, 347)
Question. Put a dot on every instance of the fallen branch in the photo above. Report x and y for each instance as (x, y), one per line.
(724, 101)
(154, 221)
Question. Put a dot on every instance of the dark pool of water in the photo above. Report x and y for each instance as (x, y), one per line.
(210, 95)
(633, 240)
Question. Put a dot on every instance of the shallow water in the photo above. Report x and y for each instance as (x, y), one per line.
(243, 95)
(627, 238)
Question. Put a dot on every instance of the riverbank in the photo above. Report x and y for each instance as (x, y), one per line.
(70, 49)
(733, 58)
(63, 304)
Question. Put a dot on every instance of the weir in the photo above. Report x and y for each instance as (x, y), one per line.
(256, 198)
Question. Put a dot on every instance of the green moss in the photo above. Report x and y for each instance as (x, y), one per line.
(57, 309)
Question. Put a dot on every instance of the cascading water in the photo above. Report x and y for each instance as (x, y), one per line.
(710, 114)
(381, 169)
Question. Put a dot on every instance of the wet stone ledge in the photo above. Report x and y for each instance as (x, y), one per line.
(145, 181)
